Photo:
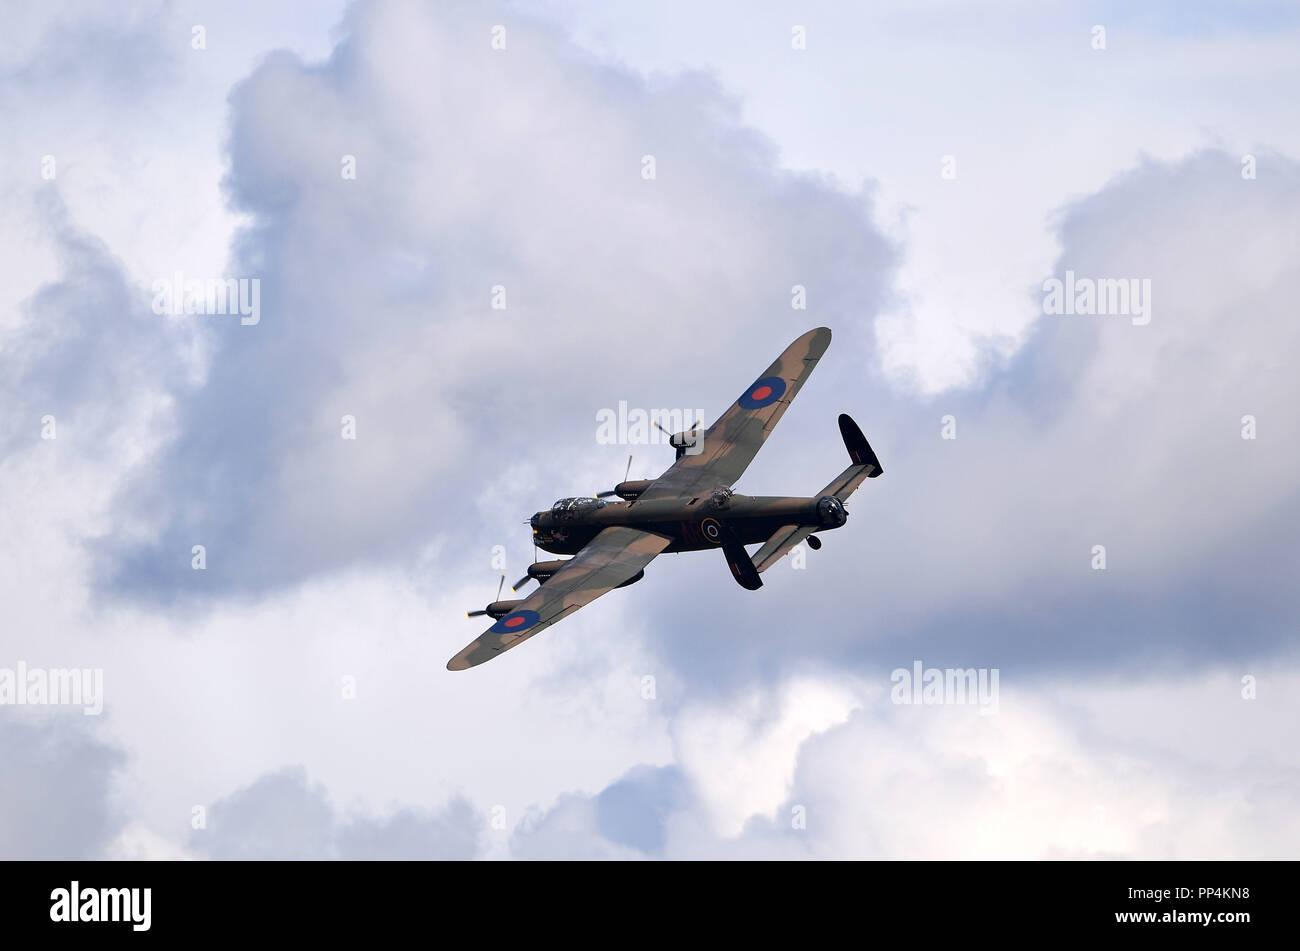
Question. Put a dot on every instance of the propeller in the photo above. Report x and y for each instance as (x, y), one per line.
(628, 472)
(698, 423)
(501, 584)
(680, 449)
(521, 582)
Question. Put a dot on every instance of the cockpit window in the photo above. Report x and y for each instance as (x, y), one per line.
(574, 507)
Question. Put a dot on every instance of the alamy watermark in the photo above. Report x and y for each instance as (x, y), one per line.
(215, 296)
(1100, 297)
(77, 903)
(43, 686)
(641, 427)
(946, 685)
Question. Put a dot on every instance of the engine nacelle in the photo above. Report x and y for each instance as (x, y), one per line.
(499, 609)
(628, 491)
(541, 570)
(687, 444)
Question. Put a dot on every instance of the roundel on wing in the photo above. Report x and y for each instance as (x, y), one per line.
(763, 392)
(515, 622)
(712, 530)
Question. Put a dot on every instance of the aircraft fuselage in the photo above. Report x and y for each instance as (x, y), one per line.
(693, 524)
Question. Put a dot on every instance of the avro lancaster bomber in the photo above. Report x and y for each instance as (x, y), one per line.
(688, 508)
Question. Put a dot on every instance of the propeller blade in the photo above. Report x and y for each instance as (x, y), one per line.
(521, 582)
(500, 584)
(698, 423)
(627, 472)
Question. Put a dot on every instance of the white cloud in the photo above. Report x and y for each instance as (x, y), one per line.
(1172, 768)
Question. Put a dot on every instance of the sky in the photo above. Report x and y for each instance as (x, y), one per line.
(1098, 510)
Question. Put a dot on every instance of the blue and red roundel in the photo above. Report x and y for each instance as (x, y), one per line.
(515, 622)
(763, 393)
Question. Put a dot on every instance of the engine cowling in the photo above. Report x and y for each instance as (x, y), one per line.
(541, 570)
(499, 609)
(629, 491)
(690, 443)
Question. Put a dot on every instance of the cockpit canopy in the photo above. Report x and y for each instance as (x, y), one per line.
(575, 507)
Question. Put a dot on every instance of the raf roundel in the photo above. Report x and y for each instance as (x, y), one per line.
(763, 392)
(515, 622)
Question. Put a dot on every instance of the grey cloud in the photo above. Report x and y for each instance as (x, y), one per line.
(88, 345)
(109, 53)
(57, 798)
(633, 810)
(627, 819)
(283, 815)
(978, 550)
(475, 169)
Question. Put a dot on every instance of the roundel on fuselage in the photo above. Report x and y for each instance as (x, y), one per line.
(711, 529)
(763, 392)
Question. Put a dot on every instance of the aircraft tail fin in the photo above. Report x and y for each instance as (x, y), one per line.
(863, 464)
(863, 461)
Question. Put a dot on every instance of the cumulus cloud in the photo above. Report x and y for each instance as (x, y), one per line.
(979, 548)
(284, 815)
(627, 819)
(475, 168)
(1185, 768)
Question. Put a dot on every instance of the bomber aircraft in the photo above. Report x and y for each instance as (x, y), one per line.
(688, 508)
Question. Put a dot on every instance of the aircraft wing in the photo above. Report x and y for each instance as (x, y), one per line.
(731, 443)
(609, 559)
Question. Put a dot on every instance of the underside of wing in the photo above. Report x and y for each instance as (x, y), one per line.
(612, 557)
(731, 443)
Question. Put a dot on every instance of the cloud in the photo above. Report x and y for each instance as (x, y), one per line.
(979, 549)
(283, 815)
(476, 168)
(1184, 768)
(57, 801)
(1122, 731)
(86, 342)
